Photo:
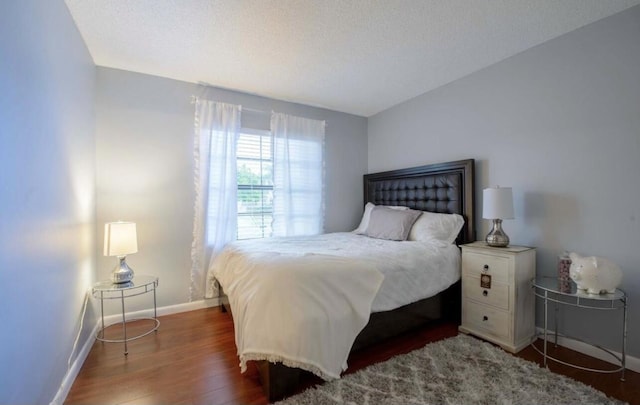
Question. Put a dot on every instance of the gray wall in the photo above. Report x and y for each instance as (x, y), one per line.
(560, 123)
(47, 196)
(144, 139)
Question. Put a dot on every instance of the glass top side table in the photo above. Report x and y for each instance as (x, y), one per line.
(548, 288)
(107, 290)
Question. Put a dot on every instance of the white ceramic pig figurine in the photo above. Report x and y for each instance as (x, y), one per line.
(596, 275)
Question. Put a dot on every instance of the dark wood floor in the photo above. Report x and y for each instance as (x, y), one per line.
(192, 360)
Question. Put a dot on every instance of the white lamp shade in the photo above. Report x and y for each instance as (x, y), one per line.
(120, 238)
(497, 203)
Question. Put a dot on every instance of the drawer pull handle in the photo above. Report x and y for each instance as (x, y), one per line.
(485, 318)
(486, 267)
(485, 293)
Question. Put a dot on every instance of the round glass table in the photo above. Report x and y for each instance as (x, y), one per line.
(551, 290)
(108, 290)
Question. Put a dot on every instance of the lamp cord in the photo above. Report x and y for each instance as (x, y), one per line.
(75, 343)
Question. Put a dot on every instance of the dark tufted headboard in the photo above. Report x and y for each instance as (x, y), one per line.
(443, 187)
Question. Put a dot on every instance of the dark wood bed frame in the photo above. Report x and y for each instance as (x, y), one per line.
(444, 188)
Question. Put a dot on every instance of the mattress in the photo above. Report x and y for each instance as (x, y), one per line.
(412, 270)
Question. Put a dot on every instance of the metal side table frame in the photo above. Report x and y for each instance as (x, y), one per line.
(108, 290)
(547, 288)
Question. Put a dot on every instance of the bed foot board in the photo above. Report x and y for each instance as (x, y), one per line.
(278, 380)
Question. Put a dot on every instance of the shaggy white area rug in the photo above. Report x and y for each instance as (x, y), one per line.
(458, 370)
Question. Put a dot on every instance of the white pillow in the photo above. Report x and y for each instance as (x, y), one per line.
(364, 223)
(434, 226)
(391, 224)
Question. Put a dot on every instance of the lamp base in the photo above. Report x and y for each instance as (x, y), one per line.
(496, 237)
(122, 273)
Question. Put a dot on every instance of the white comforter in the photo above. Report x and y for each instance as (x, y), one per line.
(290, 296)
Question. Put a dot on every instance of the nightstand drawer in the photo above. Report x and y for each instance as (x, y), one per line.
(475, 264)
(497, 295)
(486, 319)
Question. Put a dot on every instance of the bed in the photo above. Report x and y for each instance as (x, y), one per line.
(445, 188)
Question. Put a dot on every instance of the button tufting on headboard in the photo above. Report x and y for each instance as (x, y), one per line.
(438, 193)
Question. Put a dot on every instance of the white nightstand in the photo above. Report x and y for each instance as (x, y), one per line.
(503, 311)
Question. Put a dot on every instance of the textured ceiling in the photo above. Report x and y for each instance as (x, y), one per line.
(355, 56)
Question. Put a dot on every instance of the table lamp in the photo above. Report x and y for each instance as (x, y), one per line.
(120, 239)
(497, 204)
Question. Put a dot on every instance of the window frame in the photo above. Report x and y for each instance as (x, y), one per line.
(255, 187)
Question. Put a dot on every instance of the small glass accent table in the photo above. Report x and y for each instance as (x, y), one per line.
(548, 288)
(107, 290)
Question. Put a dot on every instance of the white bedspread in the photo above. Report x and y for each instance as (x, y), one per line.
(290, 296)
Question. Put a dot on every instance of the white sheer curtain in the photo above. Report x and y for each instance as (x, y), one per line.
(298, 175)
(217, 126)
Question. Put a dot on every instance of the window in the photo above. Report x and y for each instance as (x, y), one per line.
(255, 184)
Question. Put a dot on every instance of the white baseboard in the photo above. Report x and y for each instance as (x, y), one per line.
(168, 310)
(632, 363)
(73, 371)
